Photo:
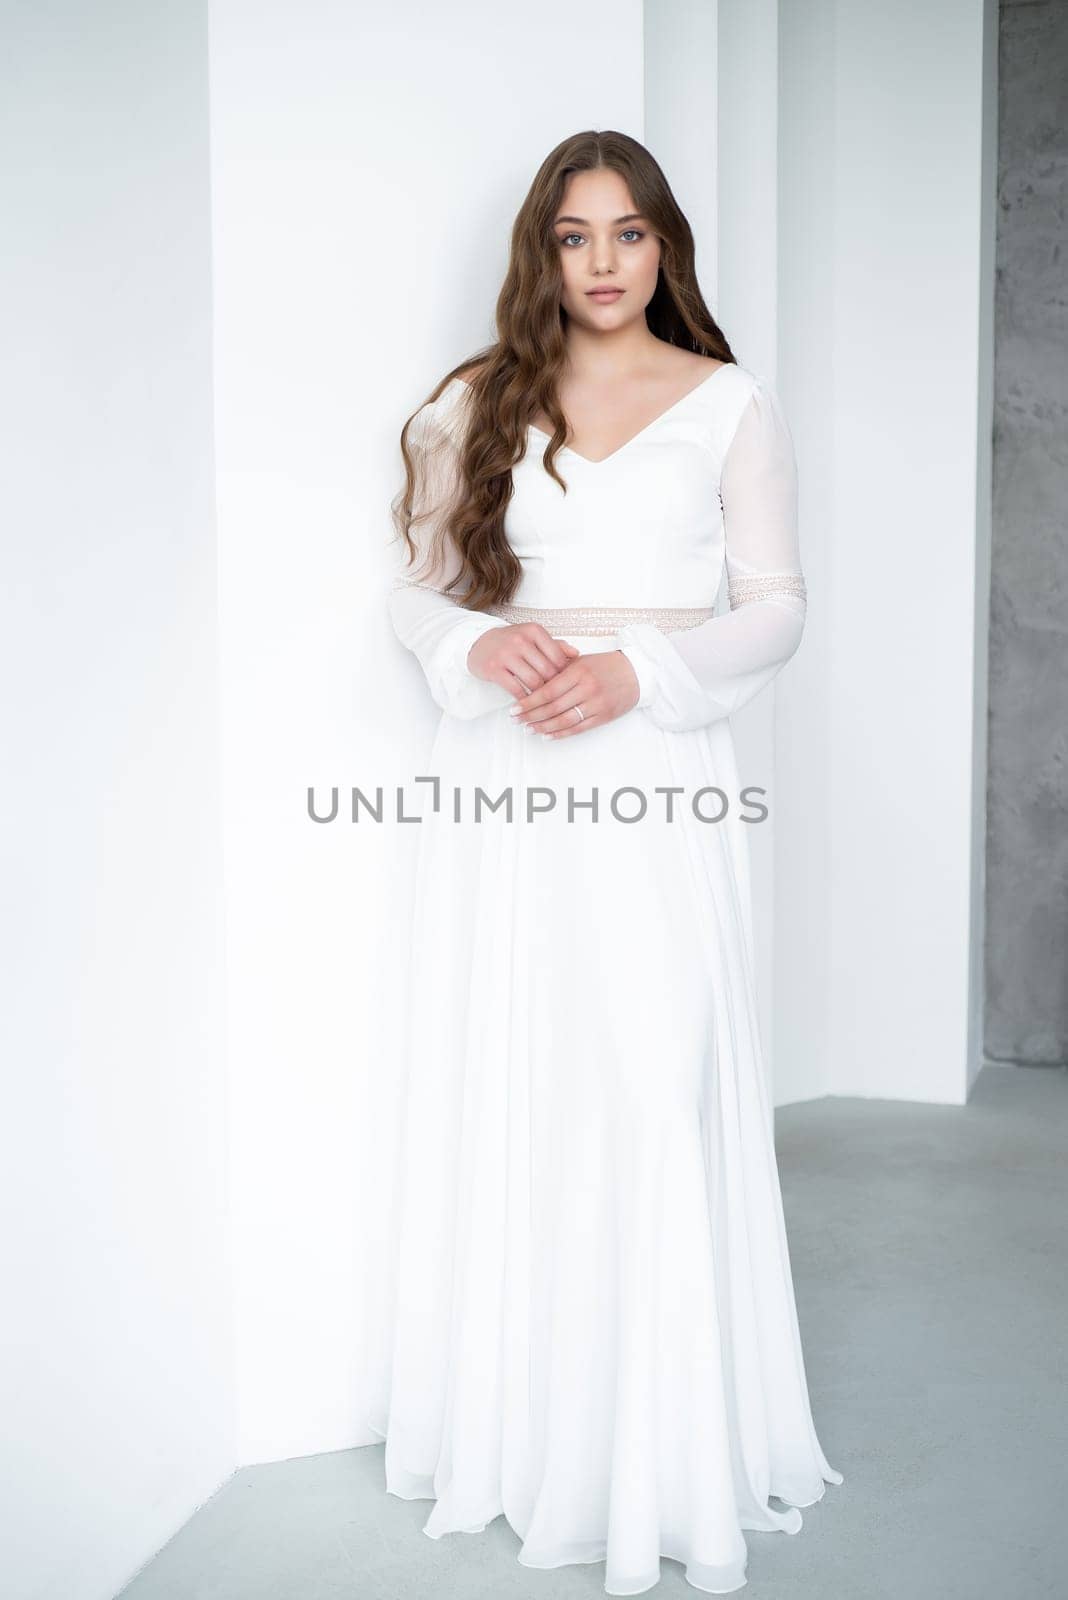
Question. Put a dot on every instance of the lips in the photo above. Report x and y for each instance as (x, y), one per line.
(604, 294)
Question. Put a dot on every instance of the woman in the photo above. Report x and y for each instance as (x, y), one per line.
(589, 1324)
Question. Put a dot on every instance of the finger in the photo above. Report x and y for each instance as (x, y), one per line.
(522, 675)
(558, 651)
(531, 658)
(518, 687)
(543, 664)
(532, 643)
(528, 665)
(551, 699)
(561, 712)
(591, 720)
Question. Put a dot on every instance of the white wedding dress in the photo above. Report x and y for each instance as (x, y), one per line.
(585, 1316)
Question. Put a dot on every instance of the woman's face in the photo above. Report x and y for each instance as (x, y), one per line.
(604, 243)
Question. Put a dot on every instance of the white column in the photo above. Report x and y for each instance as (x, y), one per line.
(845, 225)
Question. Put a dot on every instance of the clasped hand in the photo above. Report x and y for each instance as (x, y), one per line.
(549, 677)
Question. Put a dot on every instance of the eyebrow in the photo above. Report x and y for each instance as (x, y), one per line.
(632, 216)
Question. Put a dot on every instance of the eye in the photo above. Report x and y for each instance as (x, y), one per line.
(637, 232)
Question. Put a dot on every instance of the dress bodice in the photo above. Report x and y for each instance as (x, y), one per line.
(710, 485)
(643, 526)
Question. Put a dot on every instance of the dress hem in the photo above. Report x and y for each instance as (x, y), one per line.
(639, 1586)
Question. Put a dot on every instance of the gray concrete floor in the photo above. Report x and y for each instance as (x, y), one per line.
(929, 1255)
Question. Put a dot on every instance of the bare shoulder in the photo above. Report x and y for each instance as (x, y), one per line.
(678, 370)
(469, 374)
(697, 366)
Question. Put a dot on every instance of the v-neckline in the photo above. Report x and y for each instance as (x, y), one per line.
(618, 451)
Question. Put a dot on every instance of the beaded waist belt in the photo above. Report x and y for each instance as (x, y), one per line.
(602, 619)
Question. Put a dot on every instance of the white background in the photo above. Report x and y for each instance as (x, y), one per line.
(240, 251)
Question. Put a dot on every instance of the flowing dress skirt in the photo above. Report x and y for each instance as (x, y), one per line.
(589, 1321)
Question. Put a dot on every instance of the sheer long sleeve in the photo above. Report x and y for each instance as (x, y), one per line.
(700, 675)
(435, 627)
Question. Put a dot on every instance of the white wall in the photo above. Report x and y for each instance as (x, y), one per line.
(897, 370)
(712, 122)
(809, 853)
(117, 1378)
(363, 176)
(366, 169)
(850, 260)
(713, 94)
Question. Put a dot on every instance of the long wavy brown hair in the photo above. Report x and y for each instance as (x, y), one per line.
(514, 378)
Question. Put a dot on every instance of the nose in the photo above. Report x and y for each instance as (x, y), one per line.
(604, 259)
